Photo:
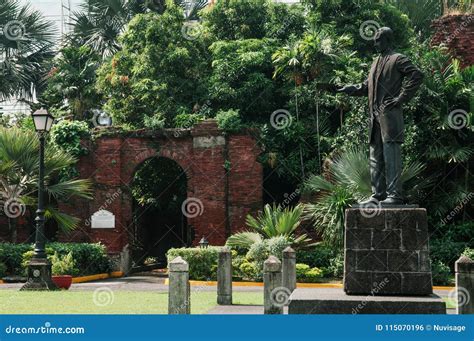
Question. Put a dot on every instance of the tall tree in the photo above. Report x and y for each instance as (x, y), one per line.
(26, 46)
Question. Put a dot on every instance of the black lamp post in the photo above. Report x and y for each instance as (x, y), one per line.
(39, 268)
(203, 243)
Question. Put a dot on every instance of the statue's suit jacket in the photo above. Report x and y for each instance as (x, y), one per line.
(395, 77)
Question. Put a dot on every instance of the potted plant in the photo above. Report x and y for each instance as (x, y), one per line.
(62, 270)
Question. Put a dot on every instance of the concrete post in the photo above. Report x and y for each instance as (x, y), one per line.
(179, 290)
(289, 269)
(271, 284)
(464, 268)
(224, 277)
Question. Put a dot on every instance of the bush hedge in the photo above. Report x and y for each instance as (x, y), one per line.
(202, 262)
(12, 255)
(3, 270)
(89, 259)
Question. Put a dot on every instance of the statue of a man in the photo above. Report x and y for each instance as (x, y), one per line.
(392, 82)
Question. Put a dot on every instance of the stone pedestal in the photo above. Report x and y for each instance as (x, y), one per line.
(335, 301)
(179, 295)
(386, 252)
(464, 267)
(224, 277)
(289, 269)
(272, 286)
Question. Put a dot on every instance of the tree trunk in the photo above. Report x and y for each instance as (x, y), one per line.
(13, 231)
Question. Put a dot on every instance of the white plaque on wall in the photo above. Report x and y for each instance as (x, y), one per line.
(103, 220)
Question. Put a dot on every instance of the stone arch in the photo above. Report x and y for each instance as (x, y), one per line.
(203, 152)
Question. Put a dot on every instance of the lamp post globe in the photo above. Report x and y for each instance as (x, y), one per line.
(39, 268)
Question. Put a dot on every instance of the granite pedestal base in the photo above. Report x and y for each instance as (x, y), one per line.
(386, 252)
(336, 301)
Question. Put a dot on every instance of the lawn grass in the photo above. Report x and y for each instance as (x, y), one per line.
(109, 302)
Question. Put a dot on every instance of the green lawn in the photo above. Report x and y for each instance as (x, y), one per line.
(117, 302)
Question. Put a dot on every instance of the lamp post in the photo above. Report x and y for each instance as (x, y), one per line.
(39, 268)
(203, 243)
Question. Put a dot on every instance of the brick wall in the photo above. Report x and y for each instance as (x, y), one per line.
(457, 33)
(225, 194)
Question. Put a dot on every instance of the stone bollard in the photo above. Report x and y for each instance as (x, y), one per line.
(224, 277)
(179, 291)
(464, 268)
(272, 284)
(289, 269)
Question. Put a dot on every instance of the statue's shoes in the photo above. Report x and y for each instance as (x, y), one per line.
(371, 202)
(392, 201)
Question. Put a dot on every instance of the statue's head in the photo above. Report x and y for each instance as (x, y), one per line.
(383, 39)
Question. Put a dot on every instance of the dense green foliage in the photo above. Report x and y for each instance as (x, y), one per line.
(71, 90)
(157, 74)
(19, 177)
(274, 67)
(88, 258)
(26, 47)
(202, 261)
(274, 221)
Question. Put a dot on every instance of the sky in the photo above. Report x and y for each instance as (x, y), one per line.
(55, 10)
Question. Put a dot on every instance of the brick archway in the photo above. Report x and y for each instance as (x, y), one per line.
(203, 152)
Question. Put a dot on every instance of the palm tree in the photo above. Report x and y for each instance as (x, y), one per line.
(19, 164)
(26, 46)
(347, 181)
(99, 23)
(274, 221)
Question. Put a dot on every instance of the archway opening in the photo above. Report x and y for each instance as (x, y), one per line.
(159, 188)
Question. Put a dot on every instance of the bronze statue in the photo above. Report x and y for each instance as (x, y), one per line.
(392, 82)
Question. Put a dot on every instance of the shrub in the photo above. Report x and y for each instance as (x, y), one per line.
(12, 255)
(63, 265)
(89, 259)
(251, 271)
(313, 275)
(468, 252)
(237, 261)
(260, 251)
(202, 262)
(446, 251)
(336, 266)
(229, 120)
(306, 274)
(301, 270)
(3, 270)
(319, 256)
(441, 273)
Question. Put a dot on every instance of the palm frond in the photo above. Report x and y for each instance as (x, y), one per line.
(243, 239)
